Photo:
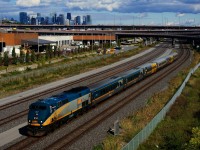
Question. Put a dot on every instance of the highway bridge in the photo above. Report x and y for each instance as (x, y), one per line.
(95, 27)
(190, 33)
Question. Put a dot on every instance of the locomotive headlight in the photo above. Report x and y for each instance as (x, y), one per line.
(29, 121)
(41, 121)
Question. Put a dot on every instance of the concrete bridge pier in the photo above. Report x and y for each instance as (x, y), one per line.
(146, 42)
(151, 41)
(173, 41)
(193, 43)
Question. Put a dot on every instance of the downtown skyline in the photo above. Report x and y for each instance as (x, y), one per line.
(137, 12)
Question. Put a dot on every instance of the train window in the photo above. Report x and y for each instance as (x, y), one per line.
(65, 101)
(85, 103)
(59, 104)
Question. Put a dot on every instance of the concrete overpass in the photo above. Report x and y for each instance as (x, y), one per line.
(192, 34)
(100, 27)
(194, 38)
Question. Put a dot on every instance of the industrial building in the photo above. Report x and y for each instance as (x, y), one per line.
(10, 40)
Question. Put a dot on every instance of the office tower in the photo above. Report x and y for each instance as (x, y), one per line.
(42, 20)
(38, 14)
(33, 21)
(39, 21)
(46, 20)
(23, 18)
(61, 19)
(69, 16)
(71, 22)
(84, 20)
(78, 20)
(88, 20)
(53, 18)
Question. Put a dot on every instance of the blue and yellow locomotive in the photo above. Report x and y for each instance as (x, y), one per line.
(46, 114)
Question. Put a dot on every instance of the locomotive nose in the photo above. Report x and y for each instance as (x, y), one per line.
(37, 114)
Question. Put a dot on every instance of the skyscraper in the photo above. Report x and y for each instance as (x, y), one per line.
(61, 19)
(88, 20)
(78, 20)
(84, 20)
(53, 18)
(23, 17)
(39, 21)
(69, 16)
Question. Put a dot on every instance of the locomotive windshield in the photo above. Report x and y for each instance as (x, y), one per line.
(38, 107)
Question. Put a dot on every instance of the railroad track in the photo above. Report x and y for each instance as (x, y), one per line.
(25, 99)
(78, 132)
(117, 69)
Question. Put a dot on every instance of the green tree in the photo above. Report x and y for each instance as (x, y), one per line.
(33, 57)
(6, 59)
(27, 57)
(55, 50)
(50, 53)
(14, 56)
(59, 52)
(22, 57)
(195, 140)
(1, 60)
(47, 54)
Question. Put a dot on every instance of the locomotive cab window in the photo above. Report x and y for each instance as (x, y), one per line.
(37, 107)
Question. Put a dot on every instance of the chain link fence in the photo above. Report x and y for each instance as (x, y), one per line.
(144, 134)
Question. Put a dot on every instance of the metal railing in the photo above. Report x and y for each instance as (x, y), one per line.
(144, 133)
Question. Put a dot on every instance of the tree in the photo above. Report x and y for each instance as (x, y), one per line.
(14, 56)
(47, 54)
(59, 52)
(22, 57)
(33, 57)
(27, 57)
(50, 52)
(6, 59)
(54, 52)
(1, 60)
(195, 140)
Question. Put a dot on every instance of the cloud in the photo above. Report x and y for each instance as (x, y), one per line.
(27, 3)
(132, 6)
(108, 5)
(189, 22)
(142, 15)
(180, 14)
(196, 7)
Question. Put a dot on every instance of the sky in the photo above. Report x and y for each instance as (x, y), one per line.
(112, 12)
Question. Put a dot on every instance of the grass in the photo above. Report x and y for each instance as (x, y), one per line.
(16, 82)
(175, 132)
(134, 123)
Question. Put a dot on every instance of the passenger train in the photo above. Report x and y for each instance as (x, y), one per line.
(47, 114)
